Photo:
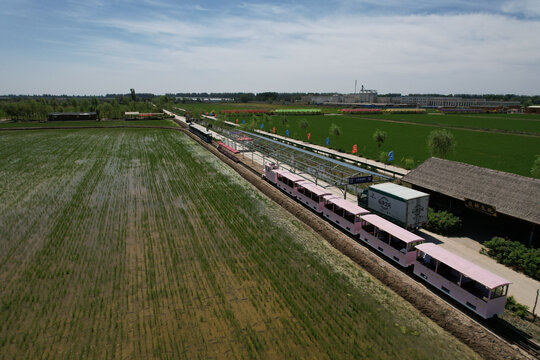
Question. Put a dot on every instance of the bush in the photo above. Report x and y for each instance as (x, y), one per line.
(408, 163)
(518, 309)
(516, 255)
(443, 222)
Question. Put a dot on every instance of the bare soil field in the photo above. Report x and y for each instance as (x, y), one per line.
(138, 243)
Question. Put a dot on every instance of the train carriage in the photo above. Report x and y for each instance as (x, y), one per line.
(480, 290)
(311, 195)
(228, 151)
(390, 239)
(343, 213)
(287, 181)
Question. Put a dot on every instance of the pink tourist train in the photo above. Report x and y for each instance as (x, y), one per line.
(476, 288)
(390, 239)
(311, 195)
(343, 213)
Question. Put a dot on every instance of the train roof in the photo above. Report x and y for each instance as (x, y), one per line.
(234, 151)
(313, 188)
(465, 267)
(391, 228)
(289, 175)
(347, 205)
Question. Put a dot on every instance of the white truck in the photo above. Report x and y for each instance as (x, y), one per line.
(399, 204)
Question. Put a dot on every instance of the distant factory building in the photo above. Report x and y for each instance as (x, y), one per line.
(366, 96)
(491, 202)
(449, 102)
(534, 109)
(72, 116)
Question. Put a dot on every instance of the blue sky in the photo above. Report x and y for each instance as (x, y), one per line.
(159, 46)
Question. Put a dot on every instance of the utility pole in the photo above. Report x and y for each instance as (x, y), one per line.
(534, 307)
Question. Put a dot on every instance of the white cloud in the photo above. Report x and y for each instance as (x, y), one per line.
(528, 8)
(468, 53)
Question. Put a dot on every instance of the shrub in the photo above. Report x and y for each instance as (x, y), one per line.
(518, 309)
(443, 222)
(408, 163)
(516, 255)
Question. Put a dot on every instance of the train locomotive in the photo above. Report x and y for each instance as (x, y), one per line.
(201, 132)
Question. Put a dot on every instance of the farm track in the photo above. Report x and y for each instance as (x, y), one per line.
(492, 131)
(477, 336)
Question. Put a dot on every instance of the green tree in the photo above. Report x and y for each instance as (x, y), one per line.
(383, 157)
(379, 137)
(535, 170)
(335, 130)
(94, 103)
(440, 143)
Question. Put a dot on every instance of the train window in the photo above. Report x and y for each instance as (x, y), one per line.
(499, 291)
(383, 236)
(348, 216)
(368, 227)
(398, 244)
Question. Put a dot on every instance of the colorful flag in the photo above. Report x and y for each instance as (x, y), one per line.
(274, 129)
(243, 121)
(354, 149)
(287, 132)
(308, 135)
(391, 155)
(262, 125)
(328, 141)
(237, 121)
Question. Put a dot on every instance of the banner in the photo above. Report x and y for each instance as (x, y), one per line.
(354, 149)
(262, 125)
(274, 129)
(327, 141)
(287, 132)
(481, 207)
(391, 155)
(308, 135)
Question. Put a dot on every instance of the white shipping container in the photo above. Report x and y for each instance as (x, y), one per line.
(404, 206)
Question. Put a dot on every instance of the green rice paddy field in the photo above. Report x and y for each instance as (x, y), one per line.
(138, 243)
(506, 142)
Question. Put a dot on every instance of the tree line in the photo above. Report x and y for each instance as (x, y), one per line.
(37, 109)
